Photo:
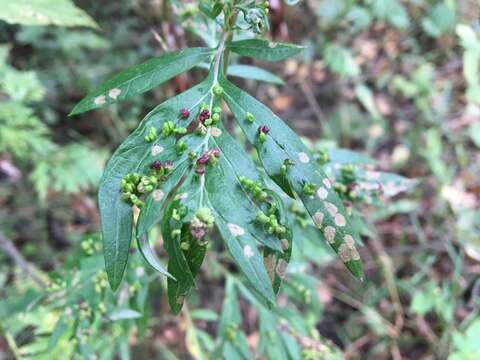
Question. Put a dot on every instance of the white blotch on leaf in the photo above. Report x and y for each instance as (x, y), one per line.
(272, 45)
(340, 220)
(322, 193)
(327, 183)
(248, 251)
(235, 230)
(332, 209)
(181, 196)
(318, 218)
(216, 132)
(156, 149)
(349, 240)
(157, 195)
(114, 93)
(329, 233)
(303, 158)
(100, 100)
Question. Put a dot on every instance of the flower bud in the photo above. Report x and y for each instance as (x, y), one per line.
(184, 113)
(203, 159)
(216, 118)
(249, 117)
(204, 115)
(215, 152)
(217, 90)
(262, 137)
(184, 246)
(168, 165)
(156, 165)
(200, 169)
(217, 110)
(309, 189)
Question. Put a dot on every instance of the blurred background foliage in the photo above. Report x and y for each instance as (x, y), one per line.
(390, 80)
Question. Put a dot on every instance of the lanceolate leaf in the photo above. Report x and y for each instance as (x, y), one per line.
(264, 50)
(133, 156)
(283, 146)
(143, 77)
(236, 211)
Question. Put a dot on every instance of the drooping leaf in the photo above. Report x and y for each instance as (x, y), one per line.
(282, 145)
(149, 255)
(44, 12)
(264, 50)
(141, 78)
(185, 252)
(135, 155)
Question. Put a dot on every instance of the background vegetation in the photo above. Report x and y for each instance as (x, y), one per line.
(397, 82)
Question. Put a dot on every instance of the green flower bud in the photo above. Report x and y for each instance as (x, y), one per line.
(262, 218)
(208, 122)
(215, 118)
(323, 156)
(176, 215)
(203, 106)
(184, 246)
(217, 90)
(181, 130)
(249, 117)
(149, 188)
(217, 110)
(204, 214)
(176, 232)
(309, 189)
(192, 155)
(283, 170)
(262, 137)
(181, 145)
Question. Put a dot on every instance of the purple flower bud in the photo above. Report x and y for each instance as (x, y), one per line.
(198, 233)
(203, 159)
(204, 115)
(184, 113)
(168, 165)
(264, 129)
(156, 165)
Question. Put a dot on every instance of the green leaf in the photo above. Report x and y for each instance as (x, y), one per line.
(236, 212)
(264, 50)
(281, 145)
(141, 78)
(150, 256)
(61, 326)
(135, 155)
(184, 263)
(254, 73)
(44, 12)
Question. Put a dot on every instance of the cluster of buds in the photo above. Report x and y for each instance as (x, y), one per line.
(90, 247)
(201, 223)
(256, 188)
(271, 221)
(101, 282)
(206, 118)
(309, 189)
(160, 170)
(151, 134)
(169, 128)
(209, 157)
(285, 165)
(265, 5)
(263, 130)
(303, 291)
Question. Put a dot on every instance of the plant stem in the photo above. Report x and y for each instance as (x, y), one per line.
(229, 25)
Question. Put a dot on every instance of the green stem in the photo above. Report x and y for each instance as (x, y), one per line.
(230, 23)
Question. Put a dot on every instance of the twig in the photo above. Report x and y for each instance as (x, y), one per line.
(10, 249)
